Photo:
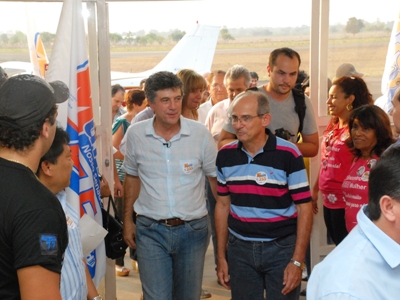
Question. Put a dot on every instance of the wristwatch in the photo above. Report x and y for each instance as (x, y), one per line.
(299, 264)
(97, 298)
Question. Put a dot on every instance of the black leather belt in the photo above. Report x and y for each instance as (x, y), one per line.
(172, 222)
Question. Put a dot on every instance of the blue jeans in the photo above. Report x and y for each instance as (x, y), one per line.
(255, 266)
(171, 258)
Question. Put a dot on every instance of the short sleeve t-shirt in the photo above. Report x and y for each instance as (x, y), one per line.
(336, 159)
(355, 189)
(33, 226)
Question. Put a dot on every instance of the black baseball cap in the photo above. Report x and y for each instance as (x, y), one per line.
(27, 99)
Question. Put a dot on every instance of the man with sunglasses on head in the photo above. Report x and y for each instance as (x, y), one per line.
(263, 214)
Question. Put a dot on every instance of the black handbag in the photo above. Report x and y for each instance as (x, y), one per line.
(114, 242)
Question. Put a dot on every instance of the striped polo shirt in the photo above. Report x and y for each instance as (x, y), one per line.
(263, 189)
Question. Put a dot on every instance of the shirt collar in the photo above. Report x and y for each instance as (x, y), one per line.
(270, 145)
(385, 245)
(185, 129)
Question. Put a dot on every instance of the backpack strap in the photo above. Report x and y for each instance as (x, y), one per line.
(299, 106)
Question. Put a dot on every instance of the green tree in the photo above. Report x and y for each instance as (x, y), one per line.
(4, 39)
(225, 35)
(19, 38)
(153, 37)
(141, 40)
(177, 35)
(354, 25)
(115, 38)
(129, 38)
(47, 37)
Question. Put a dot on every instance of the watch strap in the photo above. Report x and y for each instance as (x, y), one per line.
(298, 264)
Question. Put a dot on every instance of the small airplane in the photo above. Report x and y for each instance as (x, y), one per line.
(194, 51)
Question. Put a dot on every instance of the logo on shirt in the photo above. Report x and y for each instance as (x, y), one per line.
(261, 178)
(70, 222)
(365, 176)
(188, 168)
(48, 244)
(360, 170)
(345, 136)
(332, 198)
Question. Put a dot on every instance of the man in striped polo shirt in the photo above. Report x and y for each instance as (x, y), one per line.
(263, 213)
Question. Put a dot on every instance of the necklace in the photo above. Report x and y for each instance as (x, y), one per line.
(21, 163)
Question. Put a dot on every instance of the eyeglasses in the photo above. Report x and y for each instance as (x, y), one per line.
(243, 119)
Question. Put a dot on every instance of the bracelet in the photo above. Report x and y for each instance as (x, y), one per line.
(98, 297)
(298, 264)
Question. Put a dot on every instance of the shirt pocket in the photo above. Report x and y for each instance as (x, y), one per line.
(188, 170)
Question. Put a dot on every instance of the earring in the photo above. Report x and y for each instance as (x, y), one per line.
(349, 107)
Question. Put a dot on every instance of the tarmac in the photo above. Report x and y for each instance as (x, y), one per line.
(129, 287)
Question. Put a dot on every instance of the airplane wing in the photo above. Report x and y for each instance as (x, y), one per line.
(13, 68)
(194, 51)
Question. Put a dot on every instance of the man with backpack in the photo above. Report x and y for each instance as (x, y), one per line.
(291, 110)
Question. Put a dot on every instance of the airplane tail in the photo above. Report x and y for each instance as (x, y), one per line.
(37, 51)
(194, 51)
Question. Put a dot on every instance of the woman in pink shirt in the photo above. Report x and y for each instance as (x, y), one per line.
(370, 135)
(346, 94)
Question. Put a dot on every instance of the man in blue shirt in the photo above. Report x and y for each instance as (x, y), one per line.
(366, 264)
(54, 173)
(167, 158)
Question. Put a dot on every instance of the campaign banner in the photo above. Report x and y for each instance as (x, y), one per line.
(37, 52)
(69, 63)
(391, 75)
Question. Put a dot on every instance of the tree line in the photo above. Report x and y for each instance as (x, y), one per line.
(140, 38)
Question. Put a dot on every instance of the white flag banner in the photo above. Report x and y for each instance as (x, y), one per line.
(69, 63)
(391, 74)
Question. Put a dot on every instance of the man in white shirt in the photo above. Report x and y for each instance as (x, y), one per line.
(217, 91)
(236, 80)
(166, 161)
(366, 264)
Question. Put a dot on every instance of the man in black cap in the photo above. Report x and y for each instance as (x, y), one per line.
(33, 234)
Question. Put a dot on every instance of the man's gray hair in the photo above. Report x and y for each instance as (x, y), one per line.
(237, 72)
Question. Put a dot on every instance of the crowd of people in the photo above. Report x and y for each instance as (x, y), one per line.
(215, 156)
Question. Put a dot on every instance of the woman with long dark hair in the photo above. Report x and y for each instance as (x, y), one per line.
(346, 94)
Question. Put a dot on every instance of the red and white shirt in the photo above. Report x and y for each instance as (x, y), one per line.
(355, 189)
(336, 160)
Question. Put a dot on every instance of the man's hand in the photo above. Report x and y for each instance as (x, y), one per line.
(118, 189)
(291, 278)
(314, 197)
(222, 273)
(104, 188)
(129, 232)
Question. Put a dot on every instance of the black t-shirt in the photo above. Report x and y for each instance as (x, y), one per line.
(33, 229)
